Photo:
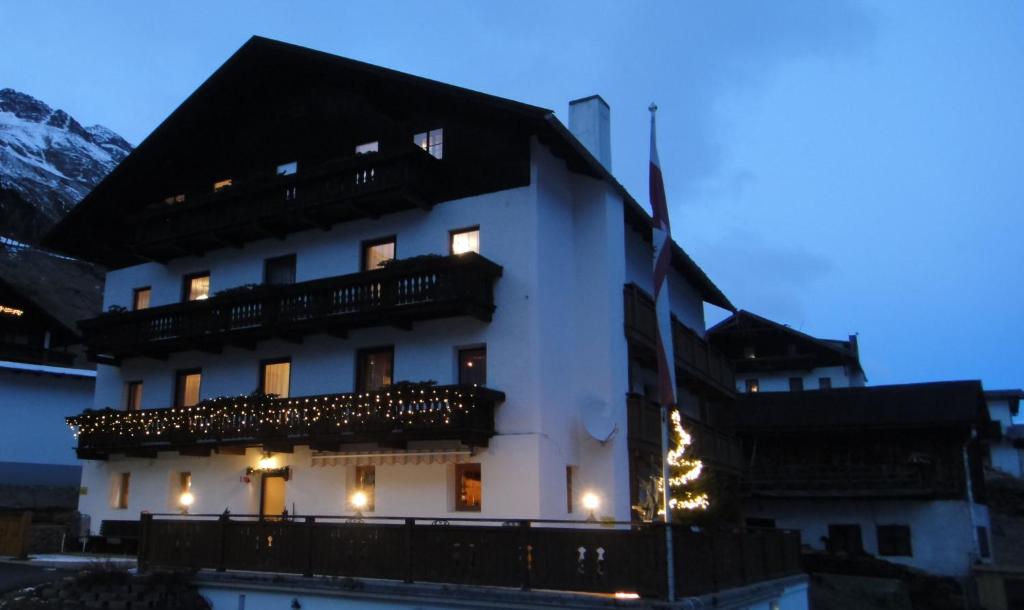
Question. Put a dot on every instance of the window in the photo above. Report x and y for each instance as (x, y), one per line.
(184, 487)
(378, 252)
(473, 366)
(280, 270)
(186, 387)
(983, 548)
(220, 185)
(133, 396)
(468, 487)
(796, 384)
(119, 493)
(568, 488)
(431, 141)
(760, 523)
(374, 368)
(753, 386)
(173, 199)
(140, 298)
(288, 169)
(824, 383)
(894, 540)
(465, 240)
(275, 377)
(845, 539)
(368, 147)
(366, 482)
(196, 287)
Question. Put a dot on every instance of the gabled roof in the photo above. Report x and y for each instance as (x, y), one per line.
(64, 289)
(745, 322)
(294, 68)
(944, 404)
(1013, 397)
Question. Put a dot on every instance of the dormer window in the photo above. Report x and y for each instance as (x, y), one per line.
(220, 185)
(287, 169)
(367, 148)
(431, 141)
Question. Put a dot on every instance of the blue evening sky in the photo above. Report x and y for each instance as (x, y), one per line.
(838, 166)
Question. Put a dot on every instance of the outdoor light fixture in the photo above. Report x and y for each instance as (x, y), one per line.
(624, 595)
(185, 500)
(268, 466)
(591, 502)
(359, 501)
(267, 462)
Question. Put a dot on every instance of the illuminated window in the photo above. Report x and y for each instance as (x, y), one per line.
(196, 287)
(366, 482)
(280, 270)
(796, 384)
(140, 298)
(275, 377)
(287, 169)
(465, 240)
(753, 386)
(431, 141)
(473, 366)
(133, 395)
(468, 487)
(824, 383)
(119, 493)
(173, 199)
(368, 147)
(220, 185)
(375, 368)
(378, 252)
(186, 387)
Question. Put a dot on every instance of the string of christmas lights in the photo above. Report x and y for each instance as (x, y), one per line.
(246, 416)
(685, 471)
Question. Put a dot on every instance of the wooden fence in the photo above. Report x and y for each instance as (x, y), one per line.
(14, 534)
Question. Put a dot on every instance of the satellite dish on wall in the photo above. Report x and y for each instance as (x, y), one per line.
(597, 419)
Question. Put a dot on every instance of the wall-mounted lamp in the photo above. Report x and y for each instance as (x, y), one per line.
(359, 501)
(267, 466)
(591, 502)
(185, 500)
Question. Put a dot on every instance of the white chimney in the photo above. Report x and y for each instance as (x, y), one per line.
(590, 122)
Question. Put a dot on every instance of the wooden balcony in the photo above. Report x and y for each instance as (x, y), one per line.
(717, 449)
(700, 364)
(392, 416)
(363, 186)
(548, 555)
(404, 292)
(809, 480)
(34, 354)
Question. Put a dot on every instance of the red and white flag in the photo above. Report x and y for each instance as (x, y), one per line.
(662, 234)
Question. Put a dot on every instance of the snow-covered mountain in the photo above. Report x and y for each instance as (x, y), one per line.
(48, 162)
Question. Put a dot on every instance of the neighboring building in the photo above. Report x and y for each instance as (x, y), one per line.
(43, 375)
(1006, 448)
(772, 357)
(893, 471)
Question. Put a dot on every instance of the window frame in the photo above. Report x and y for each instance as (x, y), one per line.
(453, 232)
(135, 297)
(263, 373)
(460, 469)
(179, 389)
(361, 354)
(366, 244)
(752, 386)
(427, 133)
(186, 288)
(279, 259)
(128, 393)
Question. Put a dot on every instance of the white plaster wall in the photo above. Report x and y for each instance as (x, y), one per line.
(778, 381)
(942, 539)
(1006, 458)
(999, 410)
(33, 407)
(686, 302)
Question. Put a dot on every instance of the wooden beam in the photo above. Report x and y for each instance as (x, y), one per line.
(278, 447)
(231, 449)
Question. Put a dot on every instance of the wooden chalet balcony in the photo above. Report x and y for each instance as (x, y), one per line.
(362, 186)
(851, 481)
(391, 416)
(717, 449)
(547, 555)
(700, 363)
(406, 291)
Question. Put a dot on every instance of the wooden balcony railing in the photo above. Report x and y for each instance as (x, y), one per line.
(550, 555)
(699, 362)
(850, 481)
(406, 291)
(356, 187)
(393, 415)
(18, 352)
(717, 449)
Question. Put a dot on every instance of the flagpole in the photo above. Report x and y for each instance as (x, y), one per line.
(660, 209)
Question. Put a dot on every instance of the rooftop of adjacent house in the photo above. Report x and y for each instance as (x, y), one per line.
(279, 86)
(944, 404)
(1012, 398)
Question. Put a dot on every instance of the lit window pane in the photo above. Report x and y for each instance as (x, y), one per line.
(187, 393)
(431, 141)
(199, 288)
(469, 487)
(287, 169)
(133, 396)
(466, 241)
(276, 376)
(141, 299)
(221, 185)
(375, 255)
(369, 147)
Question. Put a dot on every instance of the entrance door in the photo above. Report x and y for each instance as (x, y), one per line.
(272, 497)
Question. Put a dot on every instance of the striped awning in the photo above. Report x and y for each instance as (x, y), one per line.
(411, 456)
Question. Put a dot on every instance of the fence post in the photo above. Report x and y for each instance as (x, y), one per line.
(409, 525)
(222, 530)
(310, 521)
(145, 532)
(526, 553)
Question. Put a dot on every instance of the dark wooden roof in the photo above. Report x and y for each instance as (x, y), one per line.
(273, 102)
(946, 404)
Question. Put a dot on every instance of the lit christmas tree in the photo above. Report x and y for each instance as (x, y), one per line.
(685, 472)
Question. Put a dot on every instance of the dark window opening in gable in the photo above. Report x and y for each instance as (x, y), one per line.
(279, 270)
